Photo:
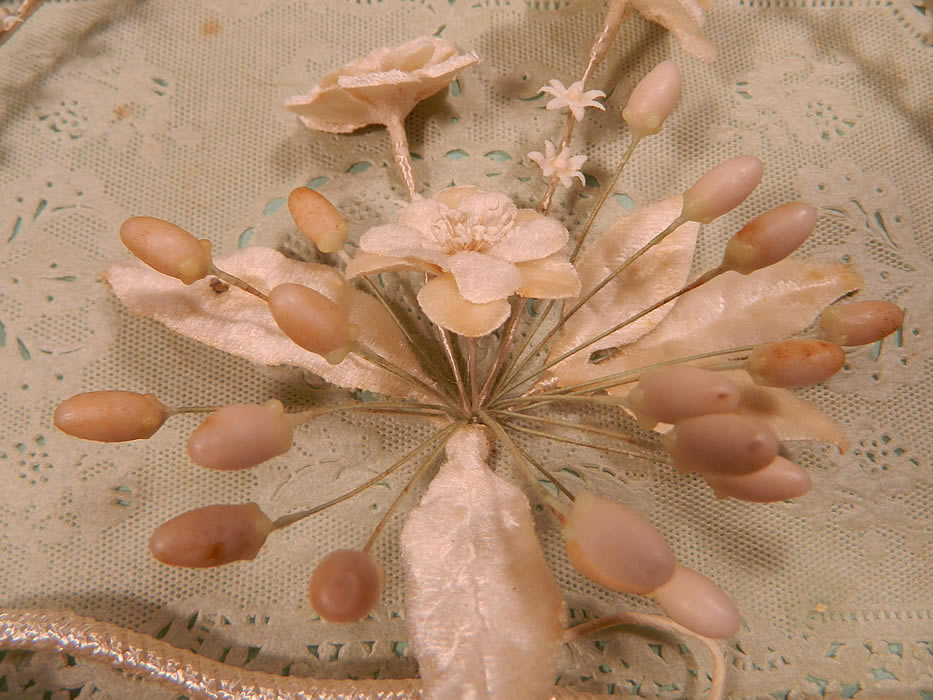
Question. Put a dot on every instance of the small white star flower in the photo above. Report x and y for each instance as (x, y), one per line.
(563, 165)
(573, 97)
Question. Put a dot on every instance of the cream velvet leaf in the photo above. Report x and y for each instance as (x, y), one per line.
(483, 607)
(239, 323)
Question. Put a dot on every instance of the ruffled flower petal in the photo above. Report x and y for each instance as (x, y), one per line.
(369, 264)
(401, 242)
(536, 238)
(483, 278)
(442, 303)
(549, 278)
(381, 87)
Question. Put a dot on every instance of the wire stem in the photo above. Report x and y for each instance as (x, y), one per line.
(718, 675)
(523, 461)
(582, 443)
(505, 342)
(399, 140)
(571, 426)
(235, 281)
(394, 369)
(448, 347)
(404, 492)
(293, 518)
(589, 295)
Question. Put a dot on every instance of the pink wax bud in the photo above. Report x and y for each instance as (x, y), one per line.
(312, 321)
(722, 189)
(769, 237)
(779, 481)
(794, 362)
(318, 219)
(721, 444)
(692, 600)
(616, 547)
(167, 248)
(653, 100)
(345, 585)
(211, 536)
(860, 322)
(241, 436)
(110, 416)
(681, 391)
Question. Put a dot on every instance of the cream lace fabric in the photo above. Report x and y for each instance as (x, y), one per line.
(174, 109)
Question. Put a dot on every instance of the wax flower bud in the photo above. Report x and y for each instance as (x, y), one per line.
(318, 219)
(722, 189)
(673, 393)
(345, 585)
(779, 481)
(653, 100)
(241, 436)
(794, 362)
(616, 547)
(110, 416)
(721, 443)
(167, 248)
(860, 322)
(312, 321)
(769, 237)
(211, 536)
(692, 600)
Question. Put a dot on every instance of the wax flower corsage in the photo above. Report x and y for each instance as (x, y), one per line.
(519, 317)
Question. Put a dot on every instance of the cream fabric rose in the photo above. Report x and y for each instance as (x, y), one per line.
(479, 248)
(381, 88)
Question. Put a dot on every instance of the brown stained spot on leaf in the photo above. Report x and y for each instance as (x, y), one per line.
(219, 286)
(210, 27)
(122, 111)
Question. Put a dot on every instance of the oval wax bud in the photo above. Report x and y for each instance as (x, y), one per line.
(673, 393)
(653, 100)
(722, 189)
(241, 436)
(167, 248)
(794, 362)
(769, 237)
(211, 536)
(616, 547)
(345, 585)
(779, 481)
(692, 600)
(311, 321)
(318, 219)
(721, 443)
(110, 416)
(860, 322)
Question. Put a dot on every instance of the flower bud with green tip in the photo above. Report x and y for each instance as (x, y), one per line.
(167, 248)
(318, 219)
(653, 100)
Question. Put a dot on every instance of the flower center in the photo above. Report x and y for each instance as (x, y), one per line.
(477, 225)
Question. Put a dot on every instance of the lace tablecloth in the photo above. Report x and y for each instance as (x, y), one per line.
(174, 109)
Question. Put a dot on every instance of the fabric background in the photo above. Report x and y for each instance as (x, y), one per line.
(174, 109)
